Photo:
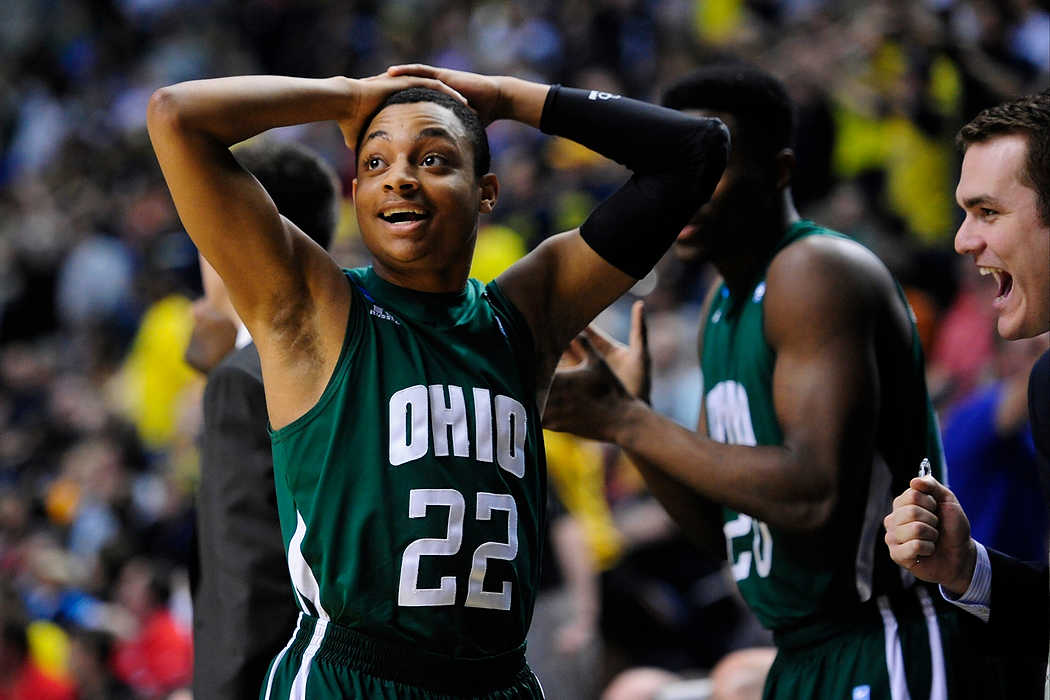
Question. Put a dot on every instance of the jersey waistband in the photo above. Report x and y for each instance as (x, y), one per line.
(401, 663)
(905, 605)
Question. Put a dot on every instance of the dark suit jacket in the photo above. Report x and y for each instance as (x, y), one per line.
(244, 607)
(1020, 607)
(1018, 626)
(1019, 611)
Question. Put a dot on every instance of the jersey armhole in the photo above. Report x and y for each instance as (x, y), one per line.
(351, 339)
(508, 314)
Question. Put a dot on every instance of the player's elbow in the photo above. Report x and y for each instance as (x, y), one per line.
(708, 153)
(809, 515)
(163, 111)
(715, 140)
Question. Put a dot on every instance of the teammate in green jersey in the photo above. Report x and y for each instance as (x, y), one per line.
(814, 413)
(404, 399)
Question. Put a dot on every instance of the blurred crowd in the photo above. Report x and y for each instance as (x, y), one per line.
(99, 416)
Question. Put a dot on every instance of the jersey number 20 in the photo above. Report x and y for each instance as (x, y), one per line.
(410, 595)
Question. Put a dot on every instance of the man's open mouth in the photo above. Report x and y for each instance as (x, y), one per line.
(399, 216)
(1003, 280)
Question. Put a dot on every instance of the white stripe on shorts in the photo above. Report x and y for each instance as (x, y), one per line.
(938, 680)
(280, 657)
(298, 691)
(894, 654)
(880, 502)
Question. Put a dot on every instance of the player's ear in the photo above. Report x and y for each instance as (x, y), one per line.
(785, 161)
(489, 186)
(353, 190)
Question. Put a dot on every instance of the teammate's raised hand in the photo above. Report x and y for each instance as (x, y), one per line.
(368, 93)
(928, 533)
(630, 363)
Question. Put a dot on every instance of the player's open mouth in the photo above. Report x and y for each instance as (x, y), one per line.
(403, 215)
(1003, 280)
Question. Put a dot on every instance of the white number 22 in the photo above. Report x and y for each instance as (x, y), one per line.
(410, 595)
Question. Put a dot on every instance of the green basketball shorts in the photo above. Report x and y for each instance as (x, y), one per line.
(324, 661)
(913, 646)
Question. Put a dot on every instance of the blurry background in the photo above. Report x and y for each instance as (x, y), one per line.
(99, 415)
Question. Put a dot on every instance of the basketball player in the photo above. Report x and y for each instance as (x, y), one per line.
(404, 398)
(814, 412)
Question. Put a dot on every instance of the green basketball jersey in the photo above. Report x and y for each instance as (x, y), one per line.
(791, 579)
(412, 496)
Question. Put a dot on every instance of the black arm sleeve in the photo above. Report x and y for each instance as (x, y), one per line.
(677, 161)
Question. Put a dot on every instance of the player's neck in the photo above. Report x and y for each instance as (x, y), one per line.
(443, 280)
(753, 246)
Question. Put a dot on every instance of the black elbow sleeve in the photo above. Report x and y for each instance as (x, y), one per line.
(642, 136)
(634, 227)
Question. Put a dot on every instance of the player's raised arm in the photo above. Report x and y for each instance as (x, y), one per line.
(824, 378)
(286, 289)
(677, 161)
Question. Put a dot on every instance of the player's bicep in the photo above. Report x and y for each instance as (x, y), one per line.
(824, 379)
(560, 287)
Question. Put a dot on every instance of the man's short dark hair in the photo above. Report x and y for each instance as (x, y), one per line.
(763, 114)
(302, 185)
(479, 140)
(1029, 116)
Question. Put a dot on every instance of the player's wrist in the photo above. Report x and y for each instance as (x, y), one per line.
(625, 418)
(520, 100)
(961, 582)
(352, 90)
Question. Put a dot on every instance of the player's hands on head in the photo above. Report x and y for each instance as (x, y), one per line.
(928, 533)
(484, 93)
(369, 93)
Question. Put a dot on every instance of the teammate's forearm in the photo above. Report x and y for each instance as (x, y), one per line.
(766, 482)
(234, 109)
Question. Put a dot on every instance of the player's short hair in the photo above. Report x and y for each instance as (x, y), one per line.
(763, 113)
(479, 140)
(299, 181)
(1029, 116)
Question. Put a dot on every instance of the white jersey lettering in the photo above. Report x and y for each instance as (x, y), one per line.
(421, 417)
